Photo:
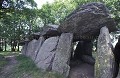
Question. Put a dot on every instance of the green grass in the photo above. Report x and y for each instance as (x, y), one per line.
(26, 68)
(8, 53)
(3, 61)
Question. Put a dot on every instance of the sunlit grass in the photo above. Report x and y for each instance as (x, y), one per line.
(9, 53)
(26, 68)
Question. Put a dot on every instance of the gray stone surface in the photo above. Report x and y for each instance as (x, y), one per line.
(31, 49)
(46, 53)
(38, 46)
(24, 48)
(54, 54)
(118, 74)
(63, 53)
(86, 21)
(104, 66)
(47, 31)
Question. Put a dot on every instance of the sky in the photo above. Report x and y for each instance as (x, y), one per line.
(41, 2)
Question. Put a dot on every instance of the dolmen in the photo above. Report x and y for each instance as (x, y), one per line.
(52, 47)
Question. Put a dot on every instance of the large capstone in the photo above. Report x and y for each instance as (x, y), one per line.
(86, 21)
(104, 66)
(47, 32)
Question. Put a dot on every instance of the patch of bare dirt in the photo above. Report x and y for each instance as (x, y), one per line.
(81, 70)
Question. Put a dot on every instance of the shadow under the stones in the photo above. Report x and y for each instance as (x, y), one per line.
(80, 69)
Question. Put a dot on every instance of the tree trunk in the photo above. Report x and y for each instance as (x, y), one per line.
(18, 47)
(2, 43)
(1, 2)
(5, 45)
(11, 45)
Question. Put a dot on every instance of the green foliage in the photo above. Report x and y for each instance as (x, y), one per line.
(114, 7)
(55, 13)
(18, 20)
(26, 64)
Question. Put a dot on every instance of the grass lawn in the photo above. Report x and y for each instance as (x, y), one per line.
(9, 53)
(27, 69)
(3, 61)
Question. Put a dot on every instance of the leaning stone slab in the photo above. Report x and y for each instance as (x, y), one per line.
(118, 74)
(104, 66)
(38, 46)
(63, 53)
(31, 49)
(24, 48)
(46, 53)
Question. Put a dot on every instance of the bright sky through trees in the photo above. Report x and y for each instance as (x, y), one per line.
(41, 2)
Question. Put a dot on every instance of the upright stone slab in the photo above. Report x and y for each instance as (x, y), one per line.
(24, 48)
(104, 66)
(118, 76)
(31, 49)
(46, 53)
(38, 46)
(63, 53)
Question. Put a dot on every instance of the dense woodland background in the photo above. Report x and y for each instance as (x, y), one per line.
(20, 18)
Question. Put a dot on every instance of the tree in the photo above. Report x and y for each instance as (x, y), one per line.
(15, 17)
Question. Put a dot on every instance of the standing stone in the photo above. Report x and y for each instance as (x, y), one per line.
(24, 48)
(31, 49)
(38, 46)
(63, 53)
(46, 53)
(104, 66)
(118, 76)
